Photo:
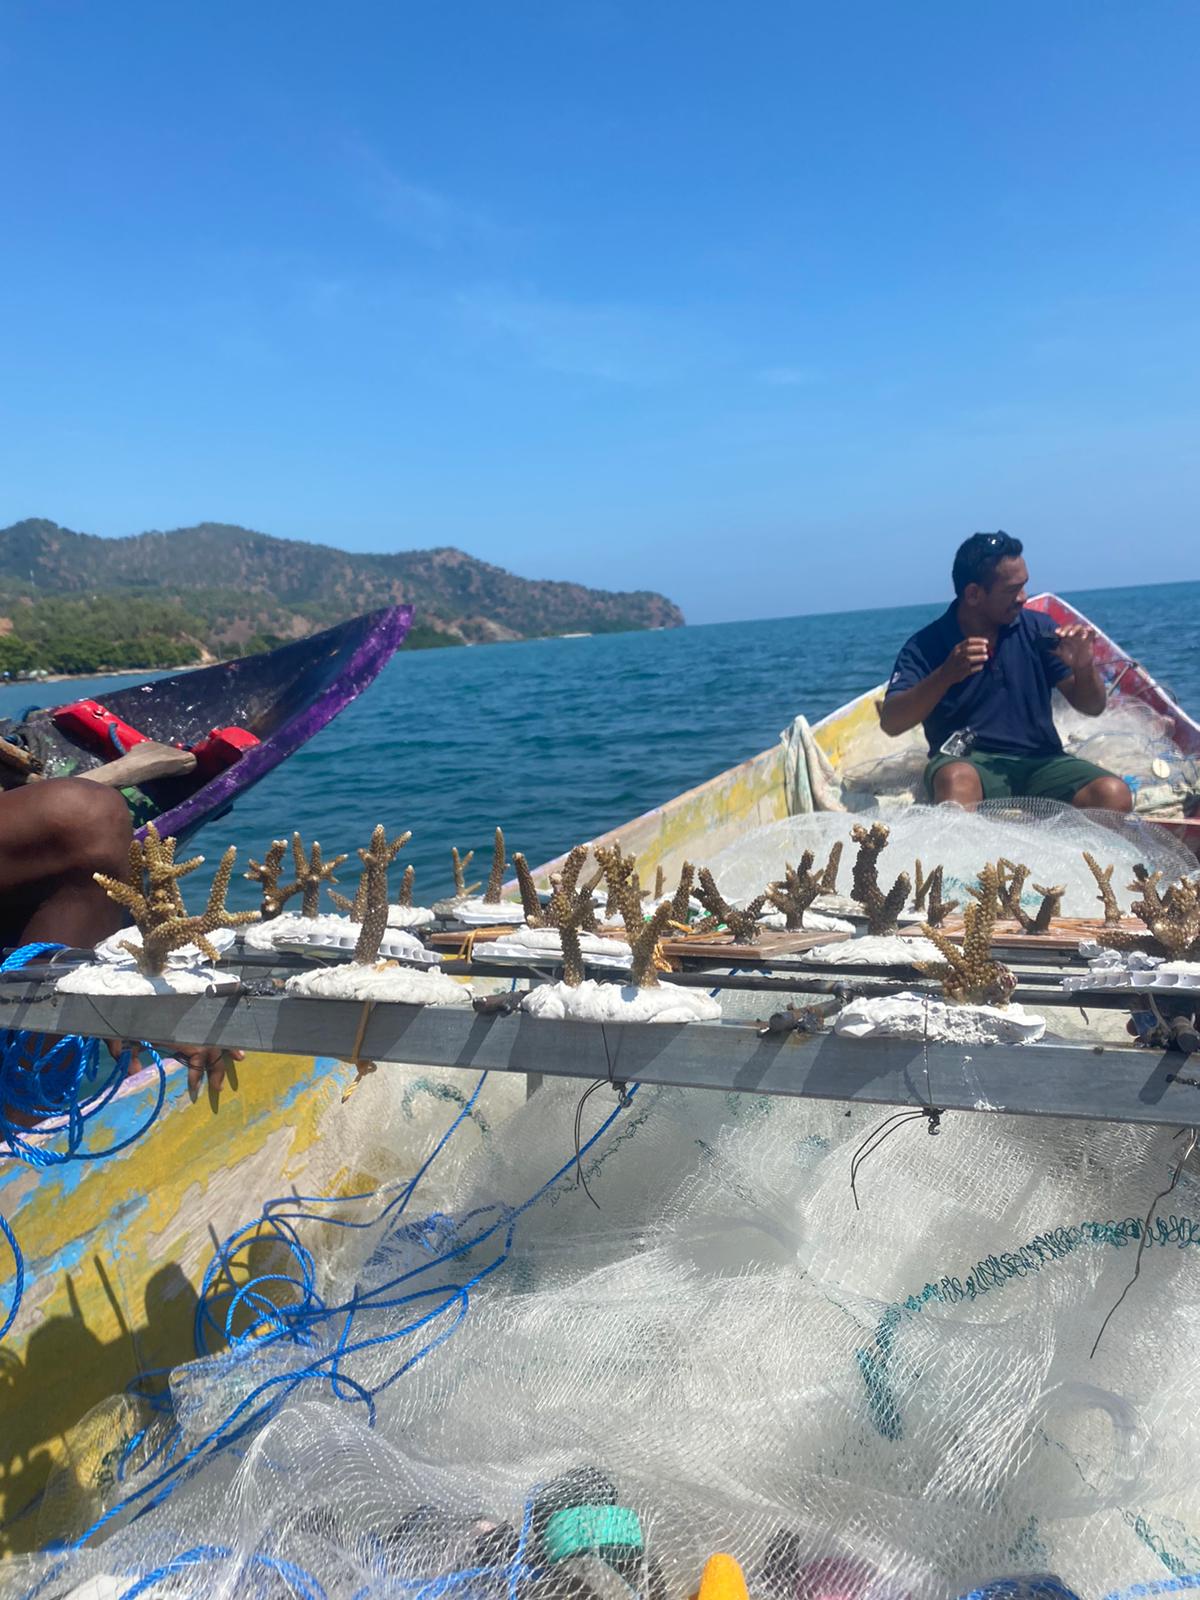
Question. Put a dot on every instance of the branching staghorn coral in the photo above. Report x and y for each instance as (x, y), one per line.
(151, 892)
(404, 898)
(923, 882)
(1011, 878)
(311, 872)
(969, 976)
(743, 925)
(1173, 918)
(531, 902)
(1103, 877)
(928, 896)
(618, 870)
(797, 890)
(829, 877)
(376, 859)
(153, 899)
(355, 909)
(1051, 907)
(566, 890)
(491, 895)
(570, 911)
(571, 875)
(267, 872)
(660, 883)
(883, 910)
(461, 888)
(681, 901)
(644, 937)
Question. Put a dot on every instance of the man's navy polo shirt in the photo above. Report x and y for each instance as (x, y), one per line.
(1007, 705)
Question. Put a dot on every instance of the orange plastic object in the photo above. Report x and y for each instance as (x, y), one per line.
(722, 1579)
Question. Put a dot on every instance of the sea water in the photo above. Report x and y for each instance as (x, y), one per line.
(560, 740)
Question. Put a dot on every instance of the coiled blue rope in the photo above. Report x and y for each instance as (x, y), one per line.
(49, 1089)
(298, 1323)
(301, 1581)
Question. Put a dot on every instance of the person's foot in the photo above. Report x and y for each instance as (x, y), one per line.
(142, 764)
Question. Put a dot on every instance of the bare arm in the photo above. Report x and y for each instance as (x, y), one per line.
(905, 708)
(1084, 689)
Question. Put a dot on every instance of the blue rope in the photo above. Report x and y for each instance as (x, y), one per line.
(1033, 1586)
(48, 1089)
(297, 1323)
(301, 1580)
(18, 1275)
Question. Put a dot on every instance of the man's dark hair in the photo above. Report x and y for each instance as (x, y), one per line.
(979, 556)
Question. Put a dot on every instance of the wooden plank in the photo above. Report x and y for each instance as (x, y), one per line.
(1062, 1080)
(722, 947)
(460, 940)
(1064, 933)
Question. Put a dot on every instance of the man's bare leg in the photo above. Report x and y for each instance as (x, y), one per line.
(1104, 794)
(957, 781)
(53, 837)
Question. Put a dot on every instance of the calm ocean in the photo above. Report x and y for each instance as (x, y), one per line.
(561, 739)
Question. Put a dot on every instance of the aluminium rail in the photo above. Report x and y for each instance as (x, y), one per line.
(1056, 1079)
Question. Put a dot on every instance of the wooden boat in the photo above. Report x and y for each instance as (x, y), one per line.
(115, 1249)
(283, 697)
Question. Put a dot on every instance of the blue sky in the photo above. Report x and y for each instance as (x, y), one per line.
(764, 306)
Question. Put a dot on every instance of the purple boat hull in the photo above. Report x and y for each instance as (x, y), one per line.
(282, 696)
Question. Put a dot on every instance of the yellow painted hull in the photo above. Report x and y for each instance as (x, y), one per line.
(115, 1250)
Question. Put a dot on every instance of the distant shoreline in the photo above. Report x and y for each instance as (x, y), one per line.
(105, 672)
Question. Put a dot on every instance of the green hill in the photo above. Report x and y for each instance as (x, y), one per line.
(72, 602)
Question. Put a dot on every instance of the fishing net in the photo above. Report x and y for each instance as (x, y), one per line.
(1048, 837)
(883, 1396)
(1129, 739)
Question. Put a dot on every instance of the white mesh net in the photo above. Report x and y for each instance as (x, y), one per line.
(887, 1401)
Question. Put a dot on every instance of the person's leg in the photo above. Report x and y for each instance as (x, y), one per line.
(1079, 783)
(53, 837)
(1105, 793)
(956, 781)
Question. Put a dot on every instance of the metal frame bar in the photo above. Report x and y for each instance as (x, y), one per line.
(1049, 1079)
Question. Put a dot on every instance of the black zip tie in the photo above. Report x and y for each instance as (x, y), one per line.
(1193, 1134)
(883, 1132)
(591, 1089)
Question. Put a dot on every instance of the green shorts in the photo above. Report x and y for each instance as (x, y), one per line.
(1048, 777)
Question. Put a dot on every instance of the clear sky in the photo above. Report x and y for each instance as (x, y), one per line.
(764, 305)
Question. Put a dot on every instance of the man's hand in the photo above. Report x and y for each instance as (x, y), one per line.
(201, 1061)
(1075, 646)
(966, 659)
(206, 1061)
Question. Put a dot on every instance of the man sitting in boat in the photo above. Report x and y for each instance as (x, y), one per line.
(980, 680)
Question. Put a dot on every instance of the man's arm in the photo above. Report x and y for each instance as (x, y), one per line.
(1084, 687)
(905, 708)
